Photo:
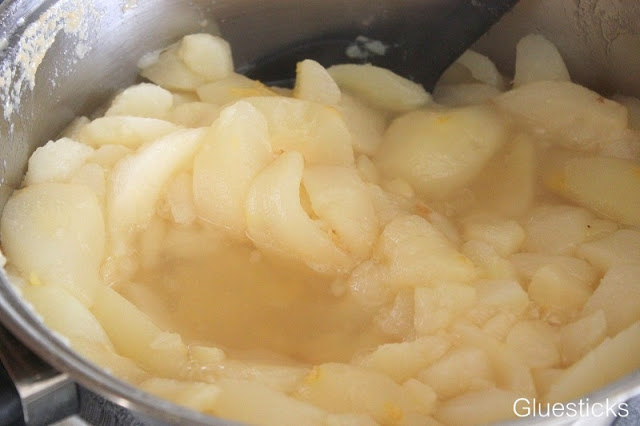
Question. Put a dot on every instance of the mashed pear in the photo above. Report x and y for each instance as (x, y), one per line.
(349, 252)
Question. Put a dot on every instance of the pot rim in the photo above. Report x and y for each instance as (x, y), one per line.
(21, 320)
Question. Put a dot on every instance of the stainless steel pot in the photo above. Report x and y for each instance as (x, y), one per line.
(63, 58)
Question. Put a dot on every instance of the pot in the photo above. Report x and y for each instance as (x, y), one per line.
(63, 58)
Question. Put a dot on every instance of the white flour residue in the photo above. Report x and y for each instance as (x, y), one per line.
(71, 16)
(365, 47)
(128, 5)
(149, 58)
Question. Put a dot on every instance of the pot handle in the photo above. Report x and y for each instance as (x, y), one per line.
(10, 404)
(39, 395)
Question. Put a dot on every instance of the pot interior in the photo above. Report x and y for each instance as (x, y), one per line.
(91, 49)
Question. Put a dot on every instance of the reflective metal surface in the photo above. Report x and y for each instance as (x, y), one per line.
(600, 40)
(46, 394)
